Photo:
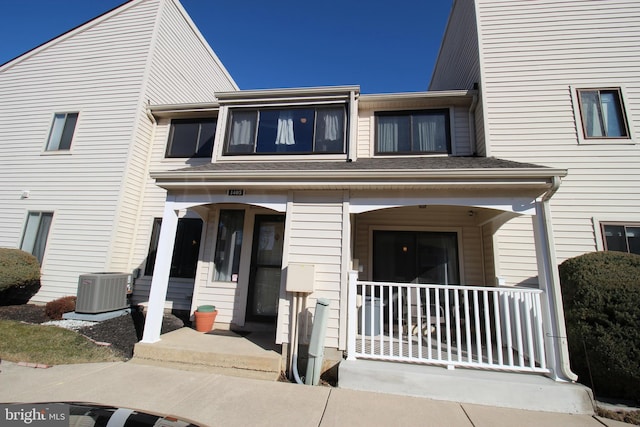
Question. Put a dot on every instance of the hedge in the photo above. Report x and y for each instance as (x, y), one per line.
(19, 276)
(601, 293)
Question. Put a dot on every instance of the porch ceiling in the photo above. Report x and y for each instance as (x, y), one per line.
(397, 173)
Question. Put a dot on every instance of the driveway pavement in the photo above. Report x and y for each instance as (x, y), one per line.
(213, 399)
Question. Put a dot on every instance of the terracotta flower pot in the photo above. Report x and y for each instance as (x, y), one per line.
(205, 320)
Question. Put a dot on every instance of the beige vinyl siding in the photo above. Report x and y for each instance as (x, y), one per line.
(366, 133)
(316, 230)
(534, 55)
(457, 65)
(184, 69)
(431, 218)
(96, 70)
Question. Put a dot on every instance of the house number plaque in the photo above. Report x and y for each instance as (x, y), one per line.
(235, 192)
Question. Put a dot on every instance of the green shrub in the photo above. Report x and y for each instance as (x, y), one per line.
(56, 308)
(19, 276)
(601, 293)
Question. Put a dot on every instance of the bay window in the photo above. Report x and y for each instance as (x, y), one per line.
(302, 130)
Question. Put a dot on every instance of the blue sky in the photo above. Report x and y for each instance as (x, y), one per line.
(383, 46)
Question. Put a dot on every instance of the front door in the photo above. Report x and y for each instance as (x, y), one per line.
(266, 267)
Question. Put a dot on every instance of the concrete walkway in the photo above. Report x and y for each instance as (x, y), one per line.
(213, 399)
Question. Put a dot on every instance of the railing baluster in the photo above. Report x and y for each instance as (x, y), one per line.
(399, 315)
(467, 325)
(476, 318)
(419, 320)
(438, 329)
(447, 320)
(517, 308)
(507, 326)
(456, 312)
(429, 325)
(487, 327)
(529, 332)
(409, 326)
(498, 329)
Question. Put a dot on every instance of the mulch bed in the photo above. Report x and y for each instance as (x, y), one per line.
(122, 332)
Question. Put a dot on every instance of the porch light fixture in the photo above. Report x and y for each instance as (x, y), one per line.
(405, 249)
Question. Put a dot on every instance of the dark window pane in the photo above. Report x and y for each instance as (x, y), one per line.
(191, 138)
(613, 122)
(285, 131)
(429, 133)
(242, 132)
(633, 239)
(185, 252)
(228, 245)
(329, 130)
(615, 238)
(205, 142)
(67, 133)
(415, 257)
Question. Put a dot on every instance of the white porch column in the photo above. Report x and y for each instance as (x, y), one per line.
(352, 316)
(554, 324)
(161, 271)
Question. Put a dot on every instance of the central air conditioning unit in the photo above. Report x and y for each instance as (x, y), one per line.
(101, 292)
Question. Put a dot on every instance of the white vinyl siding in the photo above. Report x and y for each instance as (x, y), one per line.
(97, 70)
(184, 69)
(535, 55)
(316, 237)
(457, 65)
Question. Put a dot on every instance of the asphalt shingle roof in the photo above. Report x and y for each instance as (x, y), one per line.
(395, 163)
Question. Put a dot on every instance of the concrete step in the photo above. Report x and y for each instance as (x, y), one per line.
(227, 354)
(499, 389)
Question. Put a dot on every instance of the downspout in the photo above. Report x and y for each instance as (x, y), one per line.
(553, 290)
(472, 124)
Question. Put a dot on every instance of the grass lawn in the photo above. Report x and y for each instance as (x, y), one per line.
(50, 345)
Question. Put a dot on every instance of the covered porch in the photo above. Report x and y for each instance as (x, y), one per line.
(332, 211)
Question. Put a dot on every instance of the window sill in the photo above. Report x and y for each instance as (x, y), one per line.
(606, 141)
(56, 153)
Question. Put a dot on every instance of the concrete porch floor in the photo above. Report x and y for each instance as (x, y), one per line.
(491, 388)
(250, 355)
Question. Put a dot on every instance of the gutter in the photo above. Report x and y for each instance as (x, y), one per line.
(380, 174)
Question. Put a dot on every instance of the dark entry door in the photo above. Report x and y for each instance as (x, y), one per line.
(266, 267)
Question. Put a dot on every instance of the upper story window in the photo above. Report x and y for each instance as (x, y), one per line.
(413, 132)
(287, 131)
(190, 138)
(602, 113)
(622, 237)
(64, 125)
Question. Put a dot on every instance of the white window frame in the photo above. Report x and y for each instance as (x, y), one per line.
(577, 114)
(56, 131)
(31, 233)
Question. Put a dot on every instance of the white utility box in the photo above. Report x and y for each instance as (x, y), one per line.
(301, 278)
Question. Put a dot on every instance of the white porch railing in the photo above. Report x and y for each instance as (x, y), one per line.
(476, 327)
